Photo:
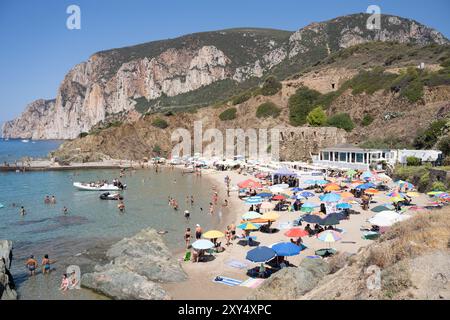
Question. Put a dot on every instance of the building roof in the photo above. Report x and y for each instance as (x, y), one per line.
(347, 147)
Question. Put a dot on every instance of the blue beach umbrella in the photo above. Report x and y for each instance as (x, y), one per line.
(307, 194)
(310, 181)
(286, 249)
(296, 189)
(331, 197)
(312, 218)
(343, 205)
(366, 175)
(254, 200)
(366, 186)
(309, 205)
(265, 195)
(261, 254)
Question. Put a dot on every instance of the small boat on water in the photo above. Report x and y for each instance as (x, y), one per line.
(25, 140)
(1, 205)
(95, 187)
(109, 196)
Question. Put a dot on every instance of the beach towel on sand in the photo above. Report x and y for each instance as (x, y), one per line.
(236, 264)
(187, 256)
(252, 283)
(228, 281)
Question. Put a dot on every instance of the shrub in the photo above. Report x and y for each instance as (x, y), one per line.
(317, 117)
(428, 138)
(444, 146)
(268, 109)
(157, 149)
(241, 98)
(341, 120)
(160, 123)
(370, 81)
(413, 161)
(270, 86)
(300, 104)
(228, 114)
(83, 134)
(367, 120)
(438, 186)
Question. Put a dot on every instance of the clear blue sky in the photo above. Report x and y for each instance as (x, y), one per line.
(37, 49)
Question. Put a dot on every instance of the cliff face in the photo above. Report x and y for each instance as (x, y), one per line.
(112, 82)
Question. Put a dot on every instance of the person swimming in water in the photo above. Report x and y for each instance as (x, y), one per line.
(65, 210)
(22, 211)
(121, 206)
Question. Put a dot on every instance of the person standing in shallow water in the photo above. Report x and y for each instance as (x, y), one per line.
(46, 264)
(22, 211)
(31, 265)
(187, 237)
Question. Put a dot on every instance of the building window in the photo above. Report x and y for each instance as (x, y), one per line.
(326, 156)
(353, 157)
(360, 157)
(336, 156)
(342, 157)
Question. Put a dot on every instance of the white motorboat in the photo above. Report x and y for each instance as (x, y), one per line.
(94, 187)
(25, 141)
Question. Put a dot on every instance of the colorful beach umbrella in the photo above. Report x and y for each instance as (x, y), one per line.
(371, 191)
(296, 189)
(383, 207)
(286, 249)
(261, 254)
(202, 244)
(413, 194)
(332, 187)
(365, 186)
(433, 193)
(251, 215)
(213, 234)
(396, 199)
(366, 175)
(267, 205)
(312, 218)
(254, 200)
(270, 216)
(330, 197)
(329, 236)
(279, 197)
(296, 233)
(248, 226)
(249, 183)
(309, 205)
(306, 209)
(346, 194)
(329, 220)
(343, 206)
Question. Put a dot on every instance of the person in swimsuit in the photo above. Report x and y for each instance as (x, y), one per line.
(198, 232)
(233, 231)
(187, 237)
(192, 200)
(22, 211)
(64, 283)
(186, 214)
(46, 264)
(121, 206)
(228, 235)
(65, 210)
(31, 265)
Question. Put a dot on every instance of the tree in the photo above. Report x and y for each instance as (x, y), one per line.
(413, 161)
(341, 120)
(444, 146)
(268, 109)
(317, 117)
(301, 103)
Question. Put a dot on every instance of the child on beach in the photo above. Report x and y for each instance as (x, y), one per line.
(64, 283)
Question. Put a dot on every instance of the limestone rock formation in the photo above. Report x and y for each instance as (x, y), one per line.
(141, 77)
(137, 265)
(7, 288)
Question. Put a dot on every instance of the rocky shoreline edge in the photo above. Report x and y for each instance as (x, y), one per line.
(137, 266)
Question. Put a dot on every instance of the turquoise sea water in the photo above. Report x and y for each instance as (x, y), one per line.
(46, 230)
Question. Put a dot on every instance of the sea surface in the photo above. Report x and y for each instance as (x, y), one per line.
(90, 222)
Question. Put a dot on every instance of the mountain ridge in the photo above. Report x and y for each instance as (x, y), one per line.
(110, 81)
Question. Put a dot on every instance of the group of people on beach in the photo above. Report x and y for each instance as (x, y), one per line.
(32, 264)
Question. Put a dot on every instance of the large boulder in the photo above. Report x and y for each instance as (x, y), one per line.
(7, 288)
(291, 283)
(120, 283)
(137, 263)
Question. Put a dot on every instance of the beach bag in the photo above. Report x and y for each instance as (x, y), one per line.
(187, 256)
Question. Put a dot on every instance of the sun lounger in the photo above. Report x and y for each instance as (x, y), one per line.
(227, 281)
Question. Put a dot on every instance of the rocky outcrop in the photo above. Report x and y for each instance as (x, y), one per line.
(7, 287)
(110, 82)
(137, 265)
(291, 283)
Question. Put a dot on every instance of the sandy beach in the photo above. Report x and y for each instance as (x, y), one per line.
(200, 285)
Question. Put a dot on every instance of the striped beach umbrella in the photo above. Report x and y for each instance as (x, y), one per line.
(213, 234)
(248, 226)
(251, 215)
(329, 236)
(270, 216)
(254, 200)
(343, 205)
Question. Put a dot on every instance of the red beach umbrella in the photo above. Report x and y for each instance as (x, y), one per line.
(296, 233)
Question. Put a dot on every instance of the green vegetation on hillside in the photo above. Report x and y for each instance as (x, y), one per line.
(268, 109)
(341, 120)
(228, 114)
(270, 86)
(303, 101)
(317, 117)
(160, 123)
(367, 120)
(427, 138)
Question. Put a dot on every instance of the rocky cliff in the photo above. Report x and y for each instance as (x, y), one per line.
(7, 288)
(200, 68)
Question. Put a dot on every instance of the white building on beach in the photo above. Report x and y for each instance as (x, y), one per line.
(347, 156)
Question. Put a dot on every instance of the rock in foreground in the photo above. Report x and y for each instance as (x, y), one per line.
(137, 264)
(7, 288)
(291, 283)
